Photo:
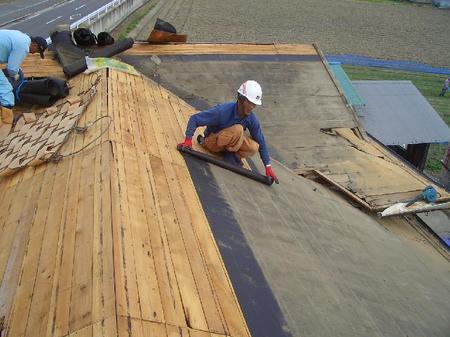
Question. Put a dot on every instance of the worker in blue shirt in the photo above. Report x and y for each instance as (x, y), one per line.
(226, 124)
(14, 48)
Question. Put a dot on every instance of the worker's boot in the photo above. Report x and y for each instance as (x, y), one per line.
(7, 115)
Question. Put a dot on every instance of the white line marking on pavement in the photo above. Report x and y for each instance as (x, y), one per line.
(73, 17)
(22, 8)
(59, 17)
(80, 7)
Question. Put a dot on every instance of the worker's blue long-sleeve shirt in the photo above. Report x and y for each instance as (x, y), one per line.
(14, 48)
(225, 115)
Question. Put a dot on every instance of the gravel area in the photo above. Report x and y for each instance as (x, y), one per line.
(383, 30)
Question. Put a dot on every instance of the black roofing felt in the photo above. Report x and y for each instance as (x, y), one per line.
(258, 304)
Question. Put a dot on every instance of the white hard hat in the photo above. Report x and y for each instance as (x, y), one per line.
(252, 91)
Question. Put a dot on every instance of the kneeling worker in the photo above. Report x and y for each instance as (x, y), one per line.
(14, 48)
(226, 124)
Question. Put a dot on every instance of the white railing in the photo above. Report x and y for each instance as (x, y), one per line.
(97, 14)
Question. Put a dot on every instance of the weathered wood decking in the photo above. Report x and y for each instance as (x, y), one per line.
(113, 241)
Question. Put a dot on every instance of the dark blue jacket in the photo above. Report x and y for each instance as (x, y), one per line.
(225, 115)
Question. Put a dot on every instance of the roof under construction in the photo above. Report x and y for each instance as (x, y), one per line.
(129, 238)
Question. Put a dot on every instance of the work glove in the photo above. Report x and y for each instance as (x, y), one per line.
(187, 143)
(271, 174)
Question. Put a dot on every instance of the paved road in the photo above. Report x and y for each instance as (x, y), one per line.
(41, 17)
(382, 30)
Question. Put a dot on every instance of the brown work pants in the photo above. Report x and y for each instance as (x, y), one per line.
(232, 139)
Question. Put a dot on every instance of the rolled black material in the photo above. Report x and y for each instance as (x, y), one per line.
(239, 170)
(73, 58)
(113, 49)
(45, 85)
(42, 100)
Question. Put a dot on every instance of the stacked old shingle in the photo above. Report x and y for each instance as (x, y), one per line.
(35, 140)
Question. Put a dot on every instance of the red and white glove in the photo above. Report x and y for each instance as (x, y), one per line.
(187, 143)
(271, 174)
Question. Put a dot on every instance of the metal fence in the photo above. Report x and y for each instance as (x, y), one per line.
(96, 15)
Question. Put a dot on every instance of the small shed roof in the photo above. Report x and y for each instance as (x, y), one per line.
(396, 113)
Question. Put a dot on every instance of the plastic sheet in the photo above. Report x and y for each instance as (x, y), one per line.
(94, 64)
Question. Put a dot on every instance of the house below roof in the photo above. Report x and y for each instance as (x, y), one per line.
(396, 113)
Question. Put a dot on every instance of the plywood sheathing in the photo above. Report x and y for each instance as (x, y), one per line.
(114, 241)
(370, 175)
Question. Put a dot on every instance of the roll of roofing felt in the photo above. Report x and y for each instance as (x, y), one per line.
(41, 100)
(46, 85)
(72, 58)
(112, 49)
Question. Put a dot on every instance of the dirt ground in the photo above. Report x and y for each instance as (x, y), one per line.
(383, 30)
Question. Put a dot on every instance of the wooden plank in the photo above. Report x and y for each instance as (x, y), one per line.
(147, 284)
(152, 329)
(198, 265)
(193, 309)
(81, 287)
(32, 245)
(163, 141)
(118, 248)
(143, 118)
(103, 263)
(61, 279)
(226, 297)
(341, 188)
(20, 218)
(167, 281)
(198, 333)
(389, 199)
(176, 331)
(40, 312)
(84, 332)
(231, 49)
(60, 321)
(105, 328)
(126, 239)
(130, 327)
(7, 228)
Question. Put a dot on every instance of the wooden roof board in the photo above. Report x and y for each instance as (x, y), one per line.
(108, 240)
(221, 49)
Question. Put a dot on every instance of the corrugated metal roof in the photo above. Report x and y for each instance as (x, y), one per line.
(346, 84)
(396, 113)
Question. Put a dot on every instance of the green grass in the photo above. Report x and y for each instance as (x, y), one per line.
(428, 84)
(132, 22)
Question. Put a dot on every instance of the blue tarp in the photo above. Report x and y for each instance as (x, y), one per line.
(365, 61)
